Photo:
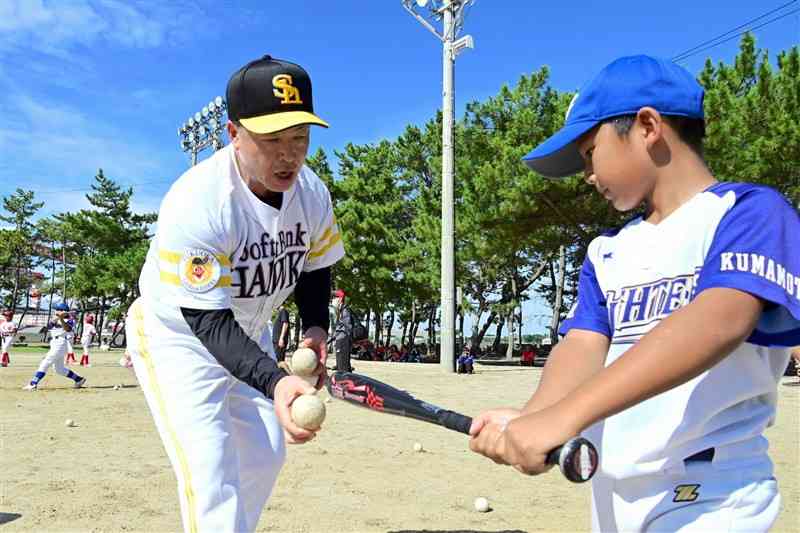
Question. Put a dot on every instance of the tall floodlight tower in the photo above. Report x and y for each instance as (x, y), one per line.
(203, 129)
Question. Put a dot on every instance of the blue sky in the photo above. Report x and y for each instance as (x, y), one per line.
(88, 84)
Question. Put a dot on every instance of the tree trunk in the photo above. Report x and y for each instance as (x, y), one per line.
(432, 328)
(476, 342)
(413, 324)
(461, 328)
(389, 326)
(510, 318)
(403, 338)
(510, 348)
(497, 338)
(15, 291)
(101, 319)
(559, 294)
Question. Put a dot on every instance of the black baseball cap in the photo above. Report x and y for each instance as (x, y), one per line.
(269, 95)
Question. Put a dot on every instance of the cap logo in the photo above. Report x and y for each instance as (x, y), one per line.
(283, 89)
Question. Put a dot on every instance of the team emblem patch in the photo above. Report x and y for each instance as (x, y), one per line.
(199, 271)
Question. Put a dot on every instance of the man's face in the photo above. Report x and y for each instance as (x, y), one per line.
(270, 162)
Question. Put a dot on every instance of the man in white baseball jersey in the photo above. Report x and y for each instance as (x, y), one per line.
(58, 329)
(683, 321)
(7, 332)
(87, 335)
(237, 234)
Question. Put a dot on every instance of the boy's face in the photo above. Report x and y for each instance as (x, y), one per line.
(619, 167)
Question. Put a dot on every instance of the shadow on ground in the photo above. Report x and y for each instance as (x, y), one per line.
(5, 518)
(455, 531)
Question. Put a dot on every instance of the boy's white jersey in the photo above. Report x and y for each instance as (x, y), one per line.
(733, 235)
(218, 246)
(89, 331)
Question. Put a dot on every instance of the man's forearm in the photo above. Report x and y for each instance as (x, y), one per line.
(573, 361)
(685, 344)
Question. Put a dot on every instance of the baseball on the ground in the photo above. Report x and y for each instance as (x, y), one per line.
(70, 423)
(308, 411)
(481, 505)
(304, 361)
(417, 447)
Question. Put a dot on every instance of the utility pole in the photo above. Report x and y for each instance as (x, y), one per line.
(451, 13)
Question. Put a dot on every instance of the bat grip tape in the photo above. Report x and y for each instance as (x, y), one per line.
(455, 421)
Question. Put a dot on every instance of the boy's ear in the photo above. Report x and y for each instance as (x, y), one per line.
(651, 125)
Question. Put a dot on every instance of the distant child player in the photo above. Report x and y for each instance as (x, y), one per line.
(59, 328)
(87, 336)
(7, 332)
(682, 325)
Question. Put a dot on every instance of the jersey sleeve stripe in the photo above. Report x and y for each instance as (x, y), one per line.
(169, 277)
(173, 279)
(325, 235)
(322, 251)
(175, 258)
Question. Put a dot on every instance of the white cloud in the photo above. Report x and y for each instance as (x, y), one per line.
(54, 27)
(49, 138)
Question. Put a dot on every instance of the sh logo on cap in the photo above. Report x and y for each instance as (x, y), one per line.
(288, 93)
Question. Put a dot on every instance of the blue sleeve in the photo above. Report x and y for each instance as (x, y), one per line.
(756, 249)
(589, 311)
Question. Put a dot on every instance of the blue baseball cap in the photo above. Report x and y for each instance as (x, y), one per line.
(61, 306)
(621, 88)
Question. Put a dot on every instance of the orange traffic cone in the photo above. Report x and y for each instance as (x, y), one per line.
(6, 360)
(85, 360)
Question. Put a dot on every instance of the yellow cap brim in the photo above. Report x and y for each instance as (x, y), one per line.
(275, 122)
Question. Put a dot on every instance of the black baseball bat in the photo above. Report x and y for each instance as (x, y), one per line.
(577, 458)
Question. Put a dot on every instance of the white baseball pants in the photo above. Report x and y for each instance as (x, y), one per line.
(221, 435)
(702, 497)
(55, 356)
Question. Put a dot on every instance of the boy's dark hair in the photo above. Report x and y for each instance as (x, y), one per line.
(690, 130)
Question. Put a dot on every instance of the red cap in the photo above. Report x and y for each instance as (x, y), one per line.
(339, 293)
(89, 319)
(8, 312)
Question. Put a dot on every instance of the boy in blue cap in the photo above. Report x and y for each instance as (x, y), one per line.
(59, 329)
(682, 326)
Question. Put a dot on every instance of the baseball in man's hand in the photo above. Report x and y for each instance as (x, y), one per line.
(308, 411)
(304, 362)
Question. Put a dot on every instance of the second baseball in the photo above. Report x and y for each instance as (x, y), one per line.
(308, 411)
(304, 361)
(481, 505)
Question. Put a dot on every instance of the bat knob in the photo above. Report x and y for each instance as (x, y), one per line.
(577, 459)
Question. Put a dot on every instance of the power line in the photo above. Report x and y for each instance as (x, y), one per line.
(716, 40)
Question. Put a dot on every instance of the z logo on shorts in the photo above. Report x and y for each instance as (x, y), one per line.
(199, 271)
(686, 493)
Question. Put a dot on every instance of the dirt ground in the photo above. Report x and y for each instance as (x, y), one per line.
(110, 473)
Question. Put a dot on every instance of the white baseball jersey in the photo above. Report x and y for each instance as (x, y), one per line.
(217, 247)
(233, 251)
(7, 328)
(734, 235)
(89, 331)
